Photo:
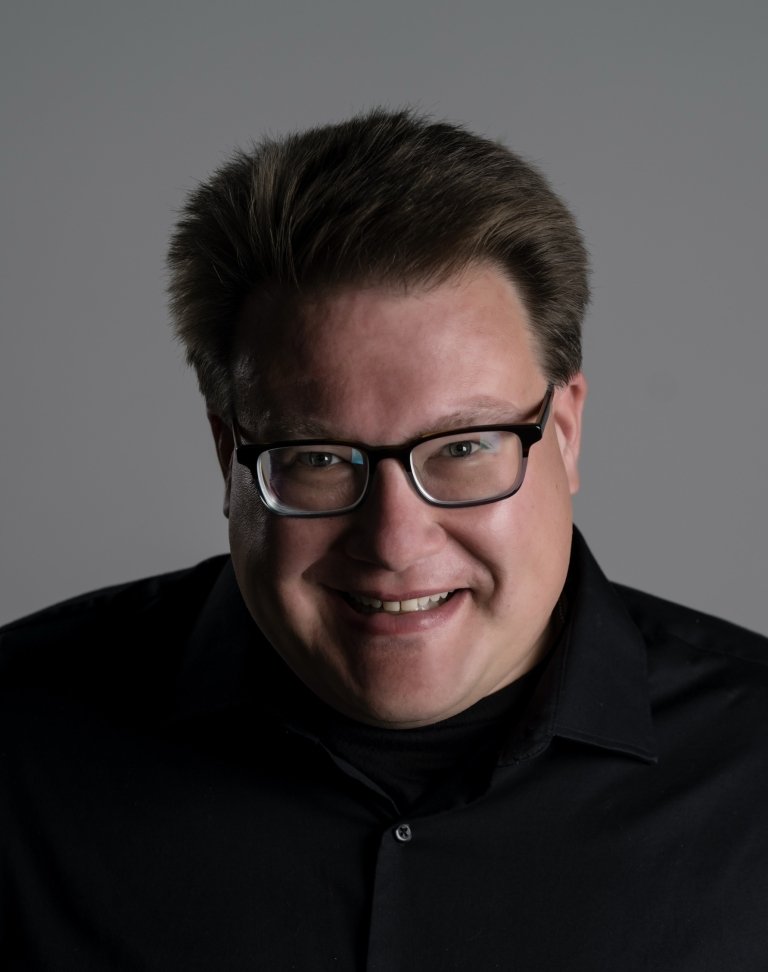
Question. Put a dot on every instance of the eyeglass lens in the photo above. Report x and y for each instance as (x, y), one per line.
(458, 468)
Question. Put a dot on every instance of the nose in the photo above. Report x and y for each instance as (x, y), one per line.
(394, 528)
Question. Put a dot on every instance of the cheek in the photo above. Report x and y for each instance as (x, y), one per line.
(248, 519)
(251, 542)
(550, 474)
(265, 565)
(525, 541)
(272, 555)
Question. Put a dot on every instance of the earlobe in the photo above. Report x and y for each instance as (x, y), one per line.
(567, 412)
(222, 437)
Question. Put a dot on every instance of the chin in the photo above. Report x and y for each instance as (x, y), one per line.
(400, 708)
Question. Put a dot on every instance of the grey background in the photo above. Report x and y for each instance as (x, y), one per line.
(650, 119)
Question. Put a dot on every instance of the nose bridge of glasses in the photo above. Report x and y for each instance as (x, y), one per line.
(401, 455)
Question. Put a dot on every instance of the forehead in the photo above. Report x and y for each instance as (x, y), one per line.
(382, 356)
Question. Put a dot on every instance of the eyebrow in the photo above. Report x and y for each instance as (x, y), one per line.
(477, 412)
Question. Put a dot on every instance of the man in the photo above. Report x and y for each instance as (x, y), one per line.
(409, 724)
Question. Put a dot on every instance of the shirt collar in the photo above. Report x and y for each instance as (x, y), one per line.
(594, 689)
(218, 654)
(228, 663)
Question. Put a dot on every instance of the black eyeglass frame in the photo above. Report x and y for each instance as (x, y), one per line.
(529, 433)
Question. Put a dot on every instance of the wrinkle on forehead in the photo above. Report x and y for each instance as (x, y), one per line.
(273, 425)
(261, 382)
(274, 337)
(282, 385)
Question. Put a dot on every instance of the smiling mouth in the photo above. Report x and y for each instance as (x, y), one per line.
(372, 605)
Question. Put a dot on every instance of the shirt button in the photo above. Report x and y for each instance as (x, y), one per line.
(403, 833)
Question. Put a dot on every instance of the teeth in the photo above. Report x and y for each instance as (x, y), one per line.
(425, 603)
(367, 601)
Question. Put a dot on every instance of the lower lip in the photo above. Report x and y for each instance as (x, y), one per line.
(410, 622)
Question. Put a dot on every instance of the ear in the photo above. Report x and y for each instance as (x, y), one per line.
(567, 410)
(225, 445)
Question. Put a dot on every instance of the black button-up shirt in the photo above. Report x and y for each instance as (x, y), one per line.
(166, 802)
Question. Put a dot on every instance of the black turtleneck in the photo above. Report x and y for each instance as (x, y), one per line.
(455, 754)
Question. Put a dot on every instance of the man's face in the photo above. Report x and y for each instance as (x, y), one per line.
(382, 366)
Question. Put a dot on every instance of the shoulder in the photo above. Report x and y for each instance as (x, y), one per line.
(704, 668)
(108, 617)
(707, 684)
(664, 623)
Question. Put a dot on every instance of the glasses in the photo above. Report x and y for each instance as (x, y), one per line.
(323, 477)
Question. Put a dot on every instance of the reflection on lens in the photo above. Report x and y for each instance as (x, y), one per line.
(463, 467)
(313, 478)
(468, 467)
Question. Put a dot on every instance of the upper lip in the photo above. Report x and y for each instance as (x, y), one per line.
(405, 596)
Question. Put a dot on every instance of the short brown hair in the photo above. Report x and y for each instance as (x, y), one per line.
(386, 197)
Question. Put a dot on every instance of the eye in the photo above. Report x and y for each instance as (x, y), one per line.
(463, 448)
(318, 460)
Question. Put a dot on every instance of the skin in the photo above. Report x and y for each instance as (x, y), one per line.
(382, 365)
